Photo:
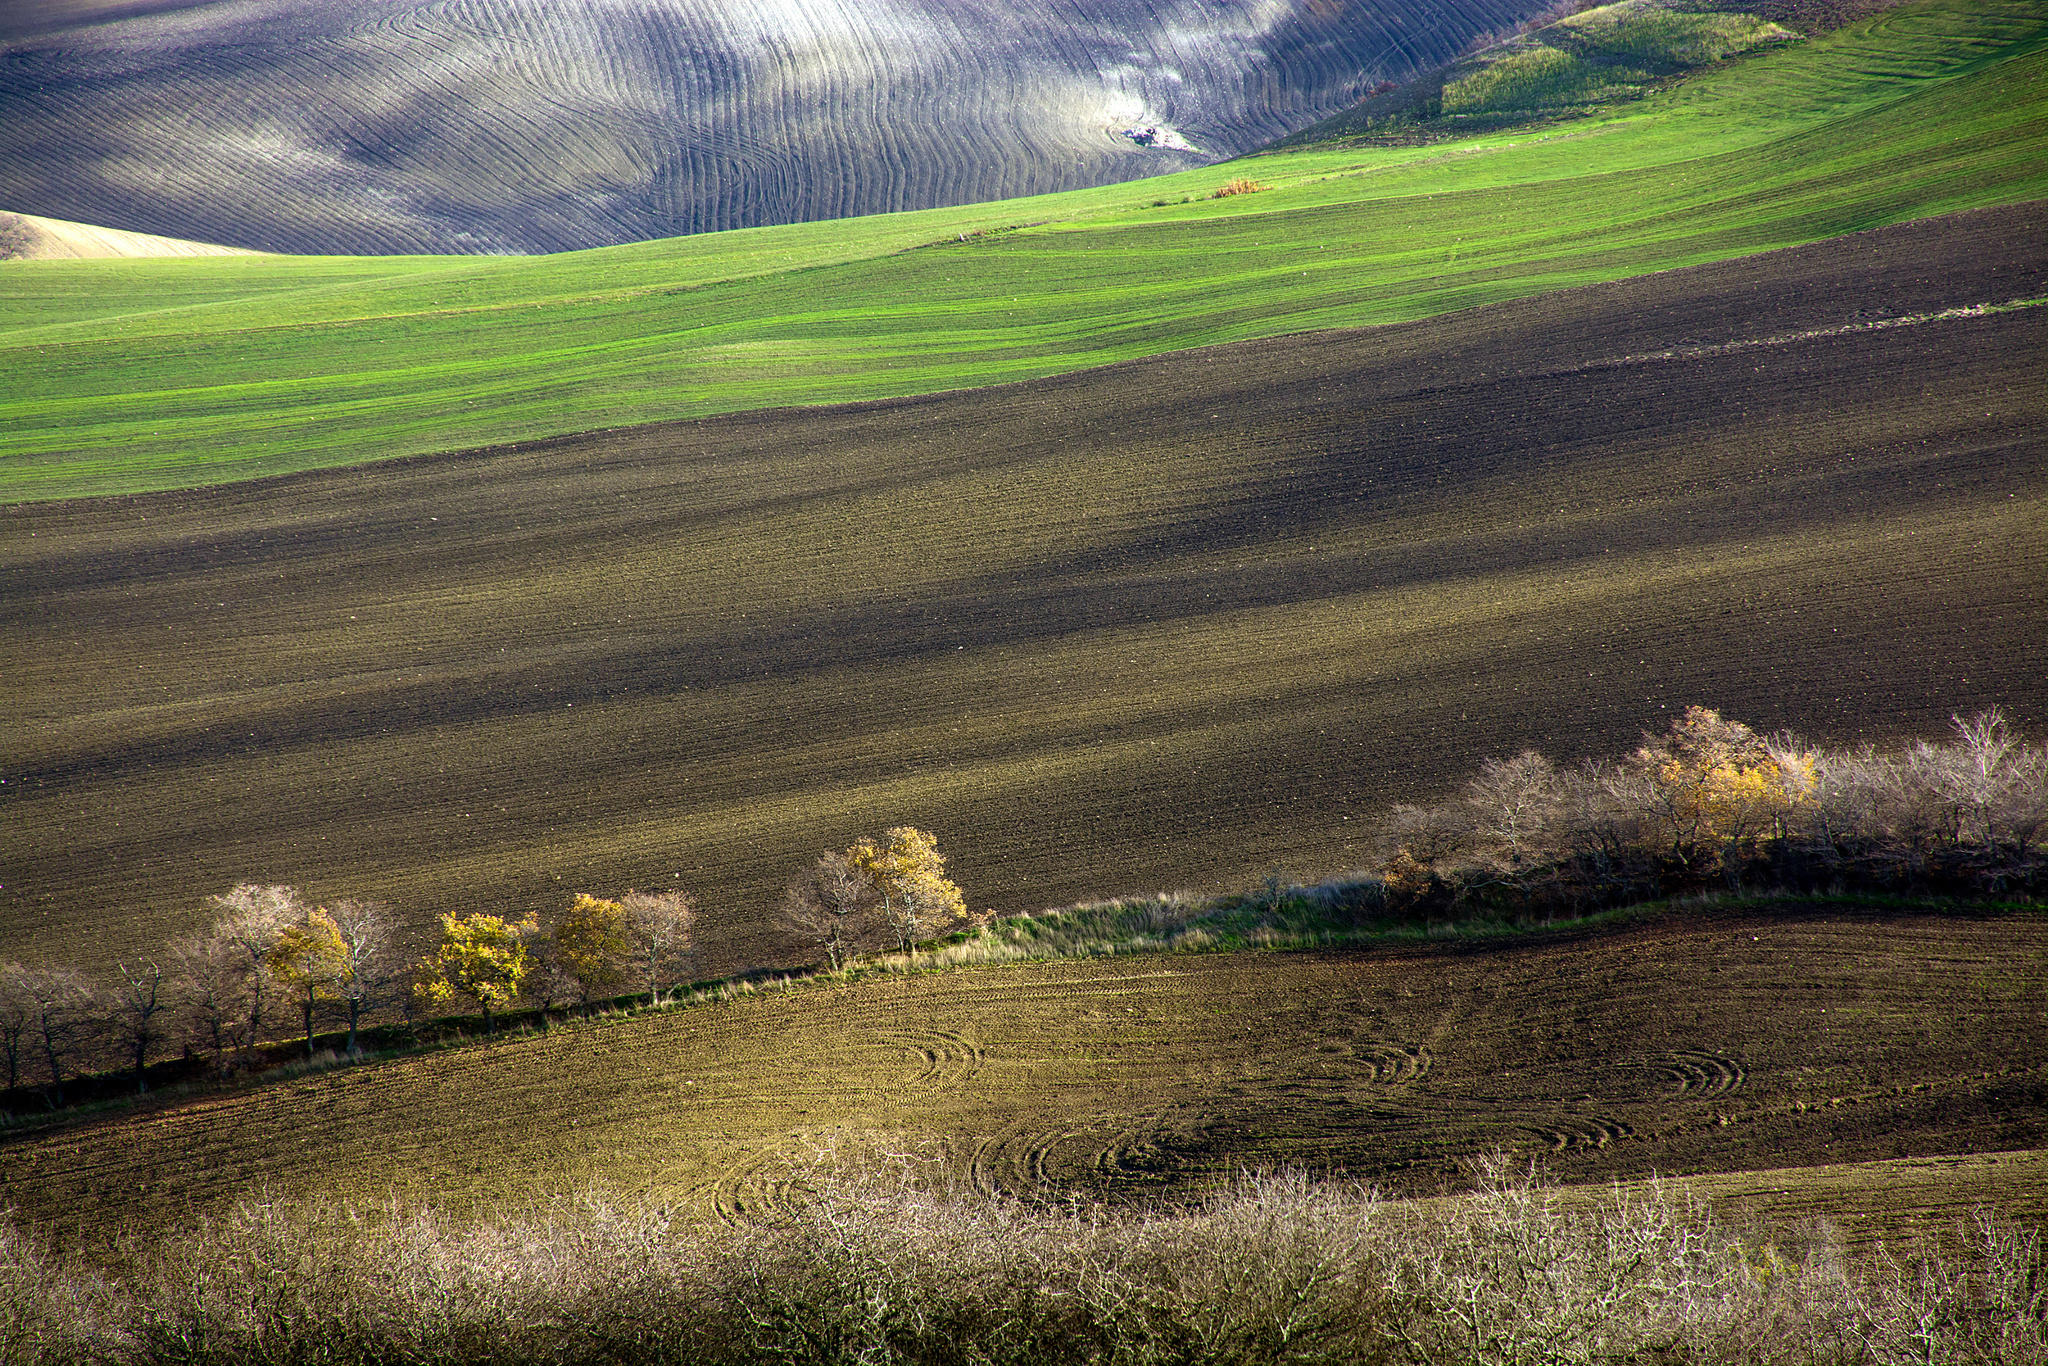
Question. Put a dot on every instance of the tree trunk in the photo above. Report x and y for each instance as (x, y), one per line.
(355, 1011)
(256, 1008)
(56, 1073)
(141, 1061)
(307, 1008)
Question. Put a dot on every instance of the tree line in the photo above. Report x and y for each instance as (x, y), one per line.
(270, 954)
(1707, 803)
(1710, 803)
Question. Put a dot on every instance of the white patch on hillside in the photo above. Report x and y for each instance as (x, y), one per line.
(27, 237)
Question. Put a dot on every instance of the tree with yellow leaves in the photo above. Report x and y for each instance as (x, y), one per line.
(482, 957)
(593, 939)
(309, 957)
(909, 874)
(1716, 787)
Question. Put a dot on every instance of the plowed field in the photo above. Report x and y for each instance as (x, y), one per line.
(1164, 624)
(1720, 1043)
(540, 125)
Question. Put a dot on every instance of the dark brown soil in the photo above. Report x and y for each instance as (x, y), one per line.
(1169, 623)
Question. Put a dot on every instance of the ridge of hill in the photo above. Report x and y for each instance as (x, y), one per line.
(131, 376)
(387, 126)
(1183, 618)
(27, 237)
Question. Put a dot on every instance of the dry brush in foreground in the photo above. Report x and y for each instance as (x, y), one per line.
(874, 1268)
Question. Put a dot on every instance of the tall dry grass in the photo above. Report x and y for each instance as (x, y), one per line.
(874, 1268)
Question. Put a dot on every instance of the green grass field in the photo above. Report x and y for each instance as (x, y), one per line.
(127, 376)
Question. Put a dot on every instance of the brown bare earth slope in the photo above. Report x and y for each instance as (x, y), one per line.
(1168, 623)
(1724, 1043)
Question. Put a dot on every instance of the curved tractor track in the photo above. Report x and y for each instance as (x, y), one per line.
(540, 125)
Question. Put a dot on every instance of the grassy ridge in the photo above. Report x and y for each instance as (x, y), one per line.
(172, 374)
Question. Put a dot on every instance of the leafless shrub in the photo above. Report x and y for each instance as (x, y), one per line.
(1431, 835)
(881, 1265)
(1711, 800)
(51, 1311)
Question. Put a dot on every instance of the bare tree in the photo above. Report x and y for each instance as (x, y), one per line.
(251, 919)
(832, 905)
(1429, 835)
(138, 1004)
(63, 1015)
(1514, 801)
(211, 986)
(16, 1012)
(663, 925)
(551, 981)
(366, 940)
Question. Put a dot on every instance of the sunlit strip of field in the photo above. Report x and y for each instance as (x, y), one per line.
(1714, 1041)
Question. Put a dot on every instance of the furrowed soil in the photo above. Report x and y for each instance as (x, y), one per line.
(1802, 1061)
(1168, 623)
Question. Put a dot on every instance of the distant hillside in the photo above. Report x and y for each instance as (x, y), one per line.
(1573, 58)
(537, 125)
(25, 237)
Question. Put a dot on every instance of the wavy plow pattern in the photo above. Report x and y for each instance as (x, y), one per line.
(752, 1190)
(943, 1058)
(1700, 1074)
(466, 125)
(1387, 1064)
(1591, 1131)
(1028, 1159)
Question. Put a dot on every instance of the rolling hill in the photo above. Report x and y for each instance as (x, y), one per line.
(1165, 623)
(124, 377)
(1135, 536)
(539, 125)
